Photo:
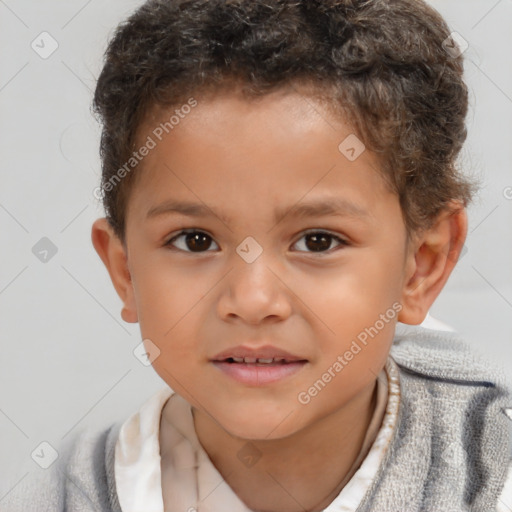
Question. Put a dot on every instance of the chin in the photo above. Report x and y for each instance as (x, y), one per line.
(259, 425)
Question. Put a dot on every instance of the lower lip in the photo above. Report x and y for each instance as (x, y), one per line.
(259, 375)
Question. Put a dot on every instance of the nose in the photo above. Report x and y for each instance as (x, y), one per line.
(255, 292)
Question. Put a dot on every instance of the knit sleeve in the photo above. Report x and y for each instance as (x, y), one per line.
(37, 491)
(80, 480)
(505, 501)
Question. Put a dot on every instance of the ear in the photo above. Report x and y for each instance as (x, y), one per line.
(431, 257)
(113, 254)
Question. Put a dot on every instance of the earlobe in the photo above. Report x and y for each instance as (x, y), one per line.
(430, 261)
(113, 254)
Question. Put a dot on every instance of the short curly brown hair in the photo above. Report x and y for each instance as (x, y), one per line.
(382, 64)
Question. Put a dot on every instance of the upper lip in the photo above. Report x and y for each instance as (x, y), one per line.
(266, 352)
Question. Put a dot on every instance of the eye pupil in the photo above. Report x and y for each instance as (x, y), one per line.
(196, 241)
(325, 242)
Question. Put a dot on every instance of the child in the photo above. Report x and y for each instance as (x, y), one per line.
(261, 129)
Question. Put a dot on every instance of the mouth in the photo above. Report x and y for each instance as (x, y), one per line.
(267, 355)
(258, 367)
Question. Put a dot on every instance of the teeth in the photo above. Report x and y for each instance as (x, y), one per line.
(259, 360)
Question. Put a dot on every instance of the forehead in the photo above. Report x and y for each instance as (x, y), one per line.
(277, 148)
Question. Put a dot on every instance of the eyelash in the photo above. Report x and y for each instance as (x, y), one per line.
(342, 241)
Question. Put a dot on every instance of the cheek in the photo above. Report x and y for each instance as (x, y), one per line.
(356, 306)
(171, 301)
(165, 297)
(351, 295)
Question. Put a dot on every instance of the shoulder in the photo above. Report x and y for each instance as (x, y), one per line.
(464, 398)
(444, 356)
(505, 501)
(453, 375)
(80, 479)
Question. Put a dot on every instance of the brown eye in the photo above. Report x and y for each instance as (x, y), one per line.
(193, 241)
(199, 241)
(320, 241)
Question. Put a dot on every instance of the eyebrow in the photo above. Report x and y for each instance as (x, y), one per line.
(317, 208)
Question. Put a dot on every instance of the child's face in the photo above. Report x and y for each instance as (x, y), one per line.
(243, 162)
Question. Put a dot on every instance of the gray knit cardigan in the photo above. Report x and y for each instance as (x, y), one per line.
(452, 400)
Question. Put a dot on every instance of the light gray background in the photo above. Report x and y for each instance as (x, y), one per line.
(66, 358)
